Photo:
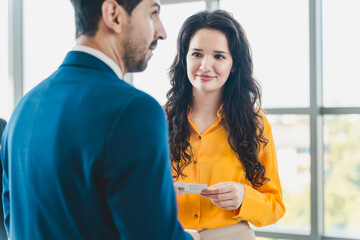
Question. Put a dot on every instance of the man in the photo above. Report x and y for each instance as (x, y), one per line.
(85, 155)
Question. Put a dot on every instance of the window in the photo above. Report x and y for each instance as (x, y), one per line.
(285, 63)
(341, 174)
(48, 36)
(292, 141)
(341, 38)
(5, 86)
(155, 80)
(278, 34)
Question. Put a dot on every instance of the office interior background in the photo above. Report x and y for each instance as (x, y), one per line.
(307, 58)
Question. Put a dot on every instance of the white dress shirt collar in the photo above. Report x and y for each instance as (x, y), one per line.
(100, 55)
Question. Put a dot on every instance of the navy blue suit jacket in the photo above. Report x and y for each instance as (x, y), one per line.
(86, 156)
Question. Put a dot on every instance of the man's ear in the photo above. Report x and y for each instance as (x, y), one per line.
(114, 15)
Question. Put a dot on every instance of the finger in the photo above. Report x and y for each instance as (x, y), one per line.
(219, 197)
(226, 205)
(221, 184)
(217, 190)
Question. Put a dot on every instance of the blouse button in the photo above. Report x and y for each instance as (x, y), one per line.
(196, 216)
(195, 162)
(199, 137)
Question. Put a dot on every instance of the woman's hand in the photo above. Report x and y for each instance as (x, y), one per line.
(225, 195)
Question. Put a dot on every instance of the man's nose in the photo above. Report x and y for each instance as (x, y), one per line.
(160, 32)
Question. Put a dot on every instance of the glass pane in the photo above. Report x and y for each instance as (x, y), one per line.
(48, 36)
(154, 79)
(278, 33)
(292, 141)
(5, 87)
(341, 51)
(341, 174)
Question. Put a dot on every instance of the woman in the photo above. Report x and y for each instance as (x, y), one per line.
(218, 134)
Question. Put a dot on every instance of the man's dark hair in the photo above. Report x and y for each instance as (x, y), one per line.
(88, 13)
(2, 127)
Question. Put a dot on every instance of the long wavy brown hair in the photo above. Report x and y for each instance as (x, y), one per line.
(241, 98)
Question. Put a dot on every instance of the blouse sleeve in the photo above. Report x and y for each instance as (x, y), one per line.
(263, 205)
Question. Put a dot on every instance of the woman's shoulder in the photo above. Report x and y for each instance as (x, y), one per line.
(264, 122)
(263, 119)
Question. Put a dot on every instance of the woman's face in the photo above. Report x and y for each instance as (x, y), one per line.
(209, 61)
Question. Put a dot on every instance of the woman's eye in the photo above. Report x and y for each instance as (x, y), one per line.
(196, 54)
(219, 57)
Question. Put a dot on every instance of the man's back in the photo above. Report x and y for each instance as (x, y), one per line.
(84, 156)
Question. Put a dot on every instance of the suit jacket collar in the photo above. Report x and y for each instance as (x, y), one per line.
(82, 59)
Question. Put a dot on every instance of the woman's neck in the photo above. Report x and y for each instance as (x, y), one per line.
(206, 104)
(204, 110)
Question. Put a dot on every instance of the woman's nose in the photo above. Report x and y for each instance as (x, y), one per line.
(206, 64)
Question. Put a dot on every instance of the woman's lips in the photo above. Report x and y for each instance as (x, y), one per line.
(204, 77)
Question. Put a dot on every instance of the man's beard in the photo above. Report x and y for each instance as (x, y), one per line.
(135, 55)
(135, 52)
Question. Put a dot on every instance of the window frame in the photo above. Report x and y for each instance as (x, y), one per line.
(315, 111)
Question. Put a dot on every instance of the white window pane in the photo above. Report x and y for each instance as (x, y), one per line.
(154, 79)
(292, 141)
(341, 51)
(278, 32)
(5, 87)
(341, 175)
(49, 33)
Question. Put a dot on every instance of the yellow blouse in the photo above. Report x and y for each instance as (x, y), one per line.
(214, 162)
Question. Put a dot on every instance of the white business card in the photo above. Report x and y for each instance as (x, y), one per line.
(190, 187)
